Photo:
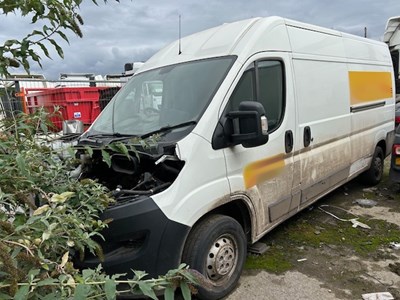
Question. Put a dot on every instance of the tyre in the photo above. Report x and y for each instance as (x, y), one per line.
(375, 172)
(216, 247)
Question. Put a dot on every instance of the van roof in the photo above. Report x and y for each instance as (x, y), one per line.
(239, 38)
(216, 41)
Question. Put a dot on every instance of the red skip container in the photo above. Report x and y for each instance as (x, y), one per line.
(75, 103)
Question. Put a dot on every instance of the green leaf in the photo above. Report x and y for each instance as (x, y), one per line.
(71, 151)
(139, 274)
(57, 47)
(44, 49)
(147, 290)
(37, 32)
(9, 43)
(110, 288)
(4, 296)
(44, 127)
(22, 293)
(46, 235)
(20, 219)
(169, 293)
(106, 157)
(21, 164)
(185, 291)
(89, 150)
(81, 291)
(123, 148)
(32, 274)
(47, 281)
(45, 29)
(87, 273)
(51, 296)
(62, 34)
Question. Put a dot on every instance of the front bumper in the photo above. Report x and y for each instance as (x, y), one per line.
(140, 237)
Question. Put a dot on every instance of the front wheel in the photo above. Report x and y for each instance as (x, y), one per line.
(375, 172)
(216, 247)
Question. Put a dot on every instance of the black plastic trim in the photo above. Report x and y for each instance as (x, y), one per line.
(355, 109)
(161, 240)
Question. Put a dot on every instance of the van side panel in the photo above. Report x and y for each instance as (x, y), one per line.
(371, 90)
(322, 106)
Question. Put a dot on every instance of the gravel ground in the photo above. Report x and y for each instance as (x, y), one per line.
(291, 285)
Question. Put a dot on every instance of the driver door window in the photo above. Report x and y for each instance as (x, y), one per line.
(263, 81)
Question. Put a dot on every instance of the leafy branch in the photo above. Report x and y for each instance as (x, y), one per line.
(59, 16)
(49, 220)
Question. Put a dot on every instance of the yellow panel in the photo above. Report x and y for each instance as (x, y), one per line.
(397, 161)
(369, 86)
(263, 170)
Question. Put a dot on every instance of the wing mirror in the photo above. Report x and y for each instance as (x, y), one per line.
(249, 124)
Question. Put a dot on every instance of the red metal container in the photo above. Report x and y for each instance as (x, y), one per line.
(74, 103)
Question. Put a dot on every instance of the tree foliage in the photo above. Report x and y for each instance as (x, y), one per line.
(57, 17)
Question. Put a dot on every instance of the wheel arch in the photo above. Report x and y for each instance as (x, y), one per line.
(382, 145)
(237, 208)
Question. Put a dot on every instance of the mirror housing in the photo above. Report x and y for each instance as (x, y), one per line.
(250, 125)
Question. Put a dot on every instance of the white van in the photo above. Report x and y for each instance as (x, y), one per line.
(255, 121)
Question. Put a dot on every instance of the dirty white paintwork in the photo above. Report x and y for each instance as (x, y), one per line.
(316, 64)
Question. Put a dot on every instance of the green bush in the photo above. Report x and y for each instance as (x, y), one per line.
(47, 218)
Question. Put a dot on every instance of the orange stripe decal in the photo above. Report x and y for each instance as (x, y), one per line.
(369, 86)
(262, 170)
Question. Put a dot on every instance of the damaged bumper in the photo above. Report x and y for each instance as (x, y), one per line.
(140, 237)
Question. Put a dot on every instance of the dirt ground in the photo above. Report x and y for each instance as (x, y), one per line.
(319, 255)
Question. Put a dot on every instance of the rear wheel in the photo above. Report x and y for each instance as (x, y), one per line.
(216, 247)
(375, 172)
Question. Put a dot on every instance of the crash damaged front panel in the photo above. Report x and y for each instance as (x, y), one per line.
(140, 237)
(131, 175)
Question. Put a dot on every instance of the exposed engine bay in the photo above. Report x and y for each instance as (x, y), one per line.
(133, 175)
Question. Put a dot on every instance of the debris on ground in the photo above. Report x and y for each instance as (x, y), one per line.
(378, 296)
(258, 248)
(355, 221)
(395, 246)
(369, 190)
(395, 268)
(366, 202)
(301, 259)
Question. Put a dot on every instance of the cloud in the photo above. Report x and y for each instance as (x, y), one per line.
(128, 31)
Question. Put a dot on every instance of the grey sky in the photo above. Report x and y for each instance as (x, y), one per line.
(128, 31)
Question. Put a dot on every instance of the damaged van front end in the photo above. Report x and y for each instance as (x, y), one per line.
(132, 149)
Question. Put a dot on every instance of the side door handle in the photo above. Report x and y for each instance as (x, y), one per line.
(288, 141)
(307, 136)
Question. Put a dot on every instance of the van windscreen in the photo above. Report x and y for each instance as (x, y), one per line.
(163, 97)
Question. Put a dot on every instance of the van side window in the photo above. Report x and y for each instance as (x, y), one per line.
(245, 90)
(271, 93)
(262, 81)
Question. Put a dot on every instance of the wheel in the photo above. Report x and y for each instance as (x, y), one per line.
(375, 172)
(216, 247)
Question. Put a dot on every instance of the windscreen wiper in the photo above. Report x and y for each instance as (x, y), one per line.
(113, 136)
(168, 128)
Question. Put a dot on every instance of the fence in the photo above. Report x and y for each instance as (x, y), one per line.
(74, 100)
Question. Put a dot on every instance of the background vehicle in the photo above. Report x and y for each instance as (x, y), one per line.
(394, 172)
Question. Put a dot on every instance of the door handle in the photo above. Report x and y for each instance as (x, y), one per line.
(288, 141)
(307, 136)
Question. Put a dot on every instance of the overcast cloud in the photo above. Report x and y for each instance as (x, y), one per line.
(129, 31)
